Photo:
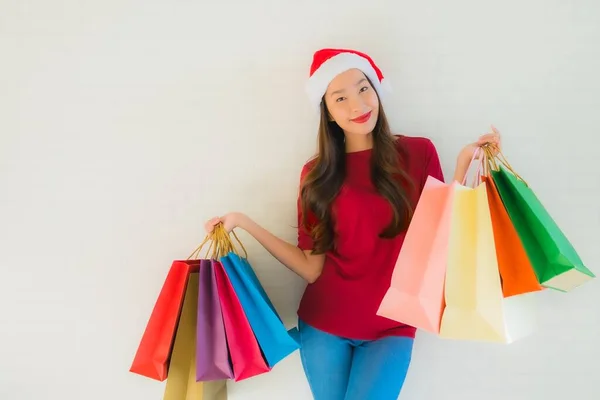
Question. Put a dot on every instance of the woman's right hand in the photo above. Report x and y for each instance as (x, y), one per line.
(230, 221)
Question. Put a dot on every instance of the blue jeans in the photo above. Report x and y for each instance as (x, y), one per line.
(347, 369)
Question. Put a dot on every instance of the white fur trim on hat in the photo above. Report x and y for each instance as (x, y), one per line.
(319, 81)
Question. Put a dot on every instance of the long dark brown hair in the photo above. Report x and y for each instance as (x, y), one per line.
(324, 180)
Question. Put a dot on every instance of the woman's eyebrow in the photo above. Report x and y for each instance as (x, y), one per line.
(341, 90)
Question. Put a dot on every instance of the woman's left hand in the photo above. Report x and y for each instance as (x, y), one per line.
(492, 138)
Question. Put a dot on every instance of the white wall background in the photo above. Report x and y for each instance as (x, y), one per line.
(125, 124)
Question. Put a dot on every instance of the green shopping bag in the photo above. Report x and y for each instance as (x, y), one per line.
(555, 262)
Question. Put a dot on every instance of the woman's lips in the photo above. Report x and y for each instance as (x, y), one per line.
(363, 118)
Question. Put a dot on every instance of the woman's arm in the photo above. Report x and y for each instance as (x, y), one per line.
(301, 262)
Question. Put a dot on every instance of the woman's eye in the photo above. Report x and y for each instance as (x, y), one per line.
(364, 88)
(340, 99)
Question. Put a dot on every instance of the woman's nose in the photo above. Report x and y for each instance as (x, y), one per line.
(356, 104)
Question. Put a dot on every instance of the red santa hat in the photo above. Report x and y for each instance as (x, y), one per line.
(328, 63)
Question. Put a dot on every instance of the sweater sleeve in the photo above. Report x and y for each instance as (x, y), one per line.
(305, 241)
(432, 166)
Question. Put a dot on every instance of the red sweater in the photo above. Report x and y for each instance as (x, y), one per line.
(345, 298)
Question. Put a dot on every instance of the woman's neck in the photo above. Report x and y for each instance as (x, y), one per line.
(356, 142)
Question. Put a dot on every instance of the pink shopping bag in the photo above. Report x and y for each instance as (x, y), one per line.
(416, 293)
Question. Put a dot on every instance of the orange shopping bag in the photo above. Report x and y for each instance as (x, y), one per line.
(516, 271)
(416, 293)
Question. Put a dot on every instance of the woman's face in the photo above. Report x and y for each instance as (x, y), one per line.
(352, 102)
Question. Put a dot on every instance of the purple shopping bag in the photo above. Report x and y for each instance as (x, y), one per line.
(212, 354)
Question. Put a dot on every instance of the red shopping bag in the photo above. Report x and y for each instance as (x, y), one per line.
(154, 351)
(246, 357)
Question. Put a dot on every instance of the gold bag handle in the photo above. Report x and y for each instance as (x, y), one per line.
(492, 161)
(221, 244)
(197, 250)
(225, 241)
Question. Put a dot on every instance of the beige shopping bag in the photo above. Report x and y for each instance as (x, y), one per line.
(475, 305)
(181, 381)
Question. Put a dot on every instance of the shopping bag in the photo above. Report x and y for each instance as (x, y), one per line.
(247, 269)
(212, 354)
(516, 273)
(214, 390)
(556, 263)
(475, 305)
(154, 350)
(273, 338)
(473, 292)
(246, 358)
(181, 382)
(294, 333)
(416, 293)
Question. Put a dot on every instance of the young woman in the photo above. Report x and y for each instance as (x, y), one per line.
(355, 203)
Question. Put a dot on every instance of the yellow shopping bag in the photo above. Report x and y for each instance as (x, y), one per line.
(475, 305)
(181, 381)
